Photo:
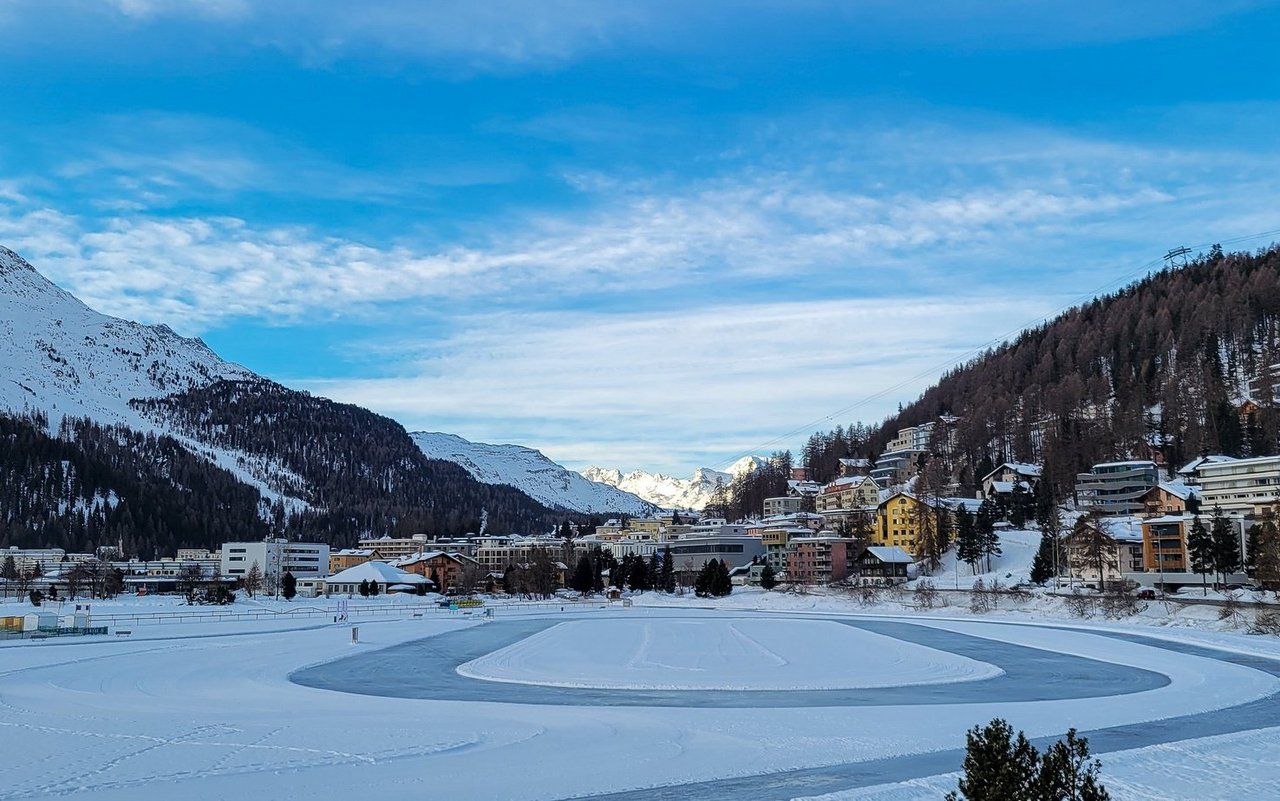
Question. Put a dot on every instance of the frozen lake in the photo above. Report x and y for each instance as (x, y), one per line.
(305, 713)
(733, 654)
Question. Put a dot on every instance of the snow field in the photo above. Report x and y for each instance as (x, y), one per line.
(217, 717)
(733, 654)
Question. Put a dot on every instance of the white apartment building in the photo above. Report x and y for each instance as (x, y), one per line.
(275, 557)
(392, 548)
(1237, 485)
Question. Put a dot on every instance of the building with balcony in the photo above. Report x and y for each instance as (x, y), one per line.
(1116, 488)
(822, 558)
(689, 553)
(782, 505)
(1240, 484)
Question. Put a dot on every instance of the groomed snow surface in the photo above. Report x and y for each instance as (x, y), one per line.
(734, 654)
(214, 715)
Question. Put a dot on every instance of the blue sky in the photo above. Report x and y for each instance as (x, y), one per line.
(652, 234)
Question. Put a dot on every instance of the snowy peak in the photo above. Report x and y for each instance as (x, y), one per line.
(670, 492)
(531, 472)
(65, 358)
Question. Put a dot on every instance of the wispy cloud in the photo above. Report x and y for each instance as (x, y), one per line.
(727, 375)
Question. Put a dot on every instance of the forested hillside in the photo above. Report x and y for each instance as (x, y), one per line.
(98, 485)
(1181, 363)
(359, 472)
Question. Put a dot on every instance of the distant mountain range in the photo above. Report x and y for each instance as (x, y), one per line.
(532, 473)
(669, 492)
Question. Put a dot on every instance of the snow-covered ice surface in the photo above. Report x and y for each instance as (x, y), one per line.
(217, 717)
(732, 654)
(531, 472)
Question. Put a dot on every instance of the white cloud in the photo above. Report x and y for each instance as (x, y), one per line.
(674, 390)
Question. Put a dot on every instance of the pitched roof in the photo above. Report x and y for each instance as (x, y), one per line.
(1195, 464)
(890, 554)
(381, 572)
(1179, 489)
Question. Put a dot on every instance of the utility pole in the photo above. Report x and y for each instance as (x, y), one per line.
(1177, 257)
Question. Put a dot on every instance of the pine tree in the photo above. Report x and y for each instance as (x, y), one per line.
(638, 575)
(583, 576)
(1200, 551)
(1266, 560)
(1226, 545)
(768, 577)
(702, 584)
(364, 588)
(1067, 773)
(721, 582)
(1042, 564)
(289, 585)
(668, 575)
(997, 766)
(968, 547)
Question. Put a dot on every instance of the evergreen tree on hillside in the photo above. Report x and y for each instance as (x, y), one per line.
(1200, 552)
(1042, 565)
(968, 542)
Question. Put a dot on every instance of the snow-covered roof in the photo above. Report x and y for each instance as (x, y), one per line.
(1019, 468)
(1179, 489)
(380, 572)
(1131, 463)
(1166, 519)
(890, 554)
(1195, 464)
(1125, 528)
(1006, 487)
(968, 504)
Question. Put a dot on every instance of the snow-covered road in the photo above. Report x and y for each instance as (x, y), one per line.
(218, 717)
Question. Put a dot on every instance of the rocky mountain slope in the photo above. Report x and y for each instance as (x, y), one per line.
(121, 432)
(533, 473)
(669, 492)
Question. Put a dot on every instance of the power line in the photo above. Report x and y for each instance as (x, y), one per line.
(1080, 300)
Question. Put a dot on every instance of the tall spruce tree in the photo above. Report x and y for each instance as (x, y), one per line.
(1200, 551)
(968, 545)
(668, 573)
(768, 577)
(584, 576)
(1266, 560)
(1042, 564)
(1226, 545)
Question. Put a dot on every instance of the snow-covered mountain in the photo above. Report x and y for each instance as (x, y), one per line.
(62, 357)
(533, 473)
(670, 492)
(102, 413)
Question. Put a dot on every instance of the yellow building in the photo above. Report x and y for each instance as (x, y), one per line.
(897, 522)
(350, 557)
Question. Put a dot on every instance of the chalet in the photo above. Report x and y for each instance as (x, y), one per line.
(885, 563)
(1011, 477)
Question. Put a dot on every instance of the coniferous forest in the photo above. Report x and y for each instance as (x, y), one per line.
(355, 472)
(1181, 363)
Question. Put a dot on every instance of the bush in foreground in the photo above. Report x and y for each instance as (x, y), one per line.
(999, 766)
